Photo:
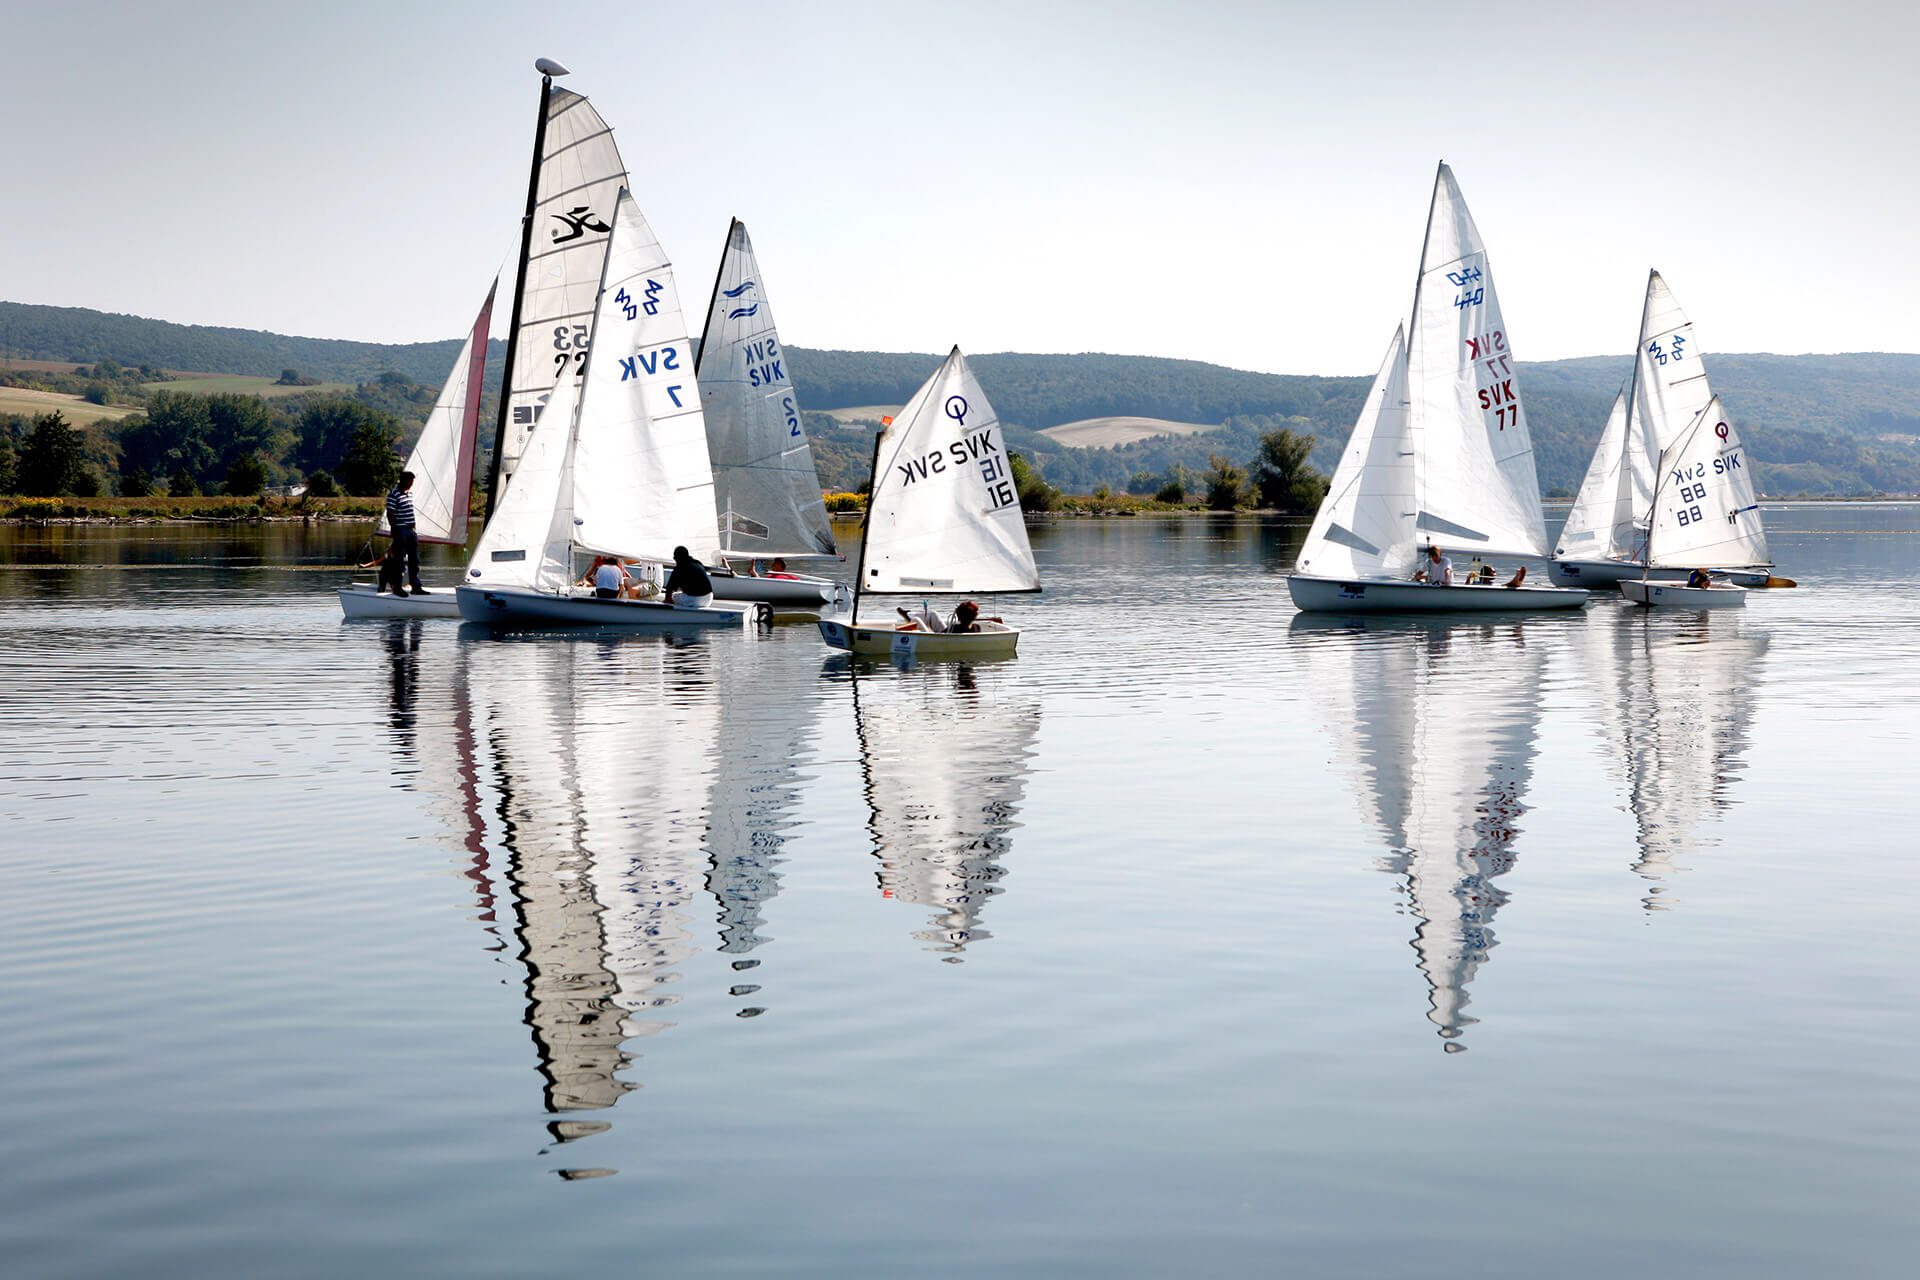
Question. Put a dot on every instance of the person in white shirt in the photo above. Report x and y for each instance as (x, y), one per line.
(1438, 569)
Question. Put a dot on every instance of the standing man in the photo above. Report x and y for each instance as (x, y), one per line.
(406, 539)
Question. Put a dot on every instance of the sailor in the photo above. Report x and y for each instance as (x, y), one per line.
(1438, 569)
(1699, 578)
(688, 586)
(406, 539)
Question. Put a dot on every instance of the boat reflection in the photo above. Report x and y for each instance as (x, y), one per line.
(945, 766)
(1679, 725)
(635, 800)
(1437, 721)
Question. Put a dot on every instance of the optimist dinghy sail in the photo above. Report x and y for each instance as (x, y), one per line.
(765, 485)
(1667, 391)
(1440, 455)
(1704, 509)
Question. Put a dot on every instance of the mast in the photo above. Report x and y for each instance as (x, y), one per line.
(1413, 335)
(548, 69)
(700, 357)
(1633, 399)
(866, 519)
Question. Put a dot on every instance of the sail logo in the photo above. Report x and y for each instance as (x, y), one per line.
(651, 304)
(577, 221)
(1676, 349)
(1460, 280)
(741, 313)
(734, 293)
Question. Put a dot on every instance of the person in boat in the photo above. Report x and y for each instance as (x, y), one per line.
(778, 569)
(1699, 578)
(608, 578)
(1519, 576)
(688, 586)
(405, 551)
(1438, 570)
(966, 617)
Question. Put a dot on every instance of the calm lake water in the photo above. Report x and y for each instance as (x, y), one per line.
(1199, 939)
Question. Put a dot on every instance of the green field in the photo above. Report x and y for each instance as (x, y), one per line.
(77, 411)
(238, 384)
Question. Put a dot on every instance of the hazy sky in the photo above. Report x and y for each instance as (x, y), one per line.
(1243, 183)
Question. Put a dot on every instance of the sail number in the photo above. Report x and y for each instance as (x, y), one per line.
(570, 342)
(652, 364)
(1488, 352)
(979, 448)
(763, 359)
(793, 417)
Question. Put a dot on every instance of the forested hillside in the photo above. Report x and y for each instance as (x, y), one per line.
(1839, 424)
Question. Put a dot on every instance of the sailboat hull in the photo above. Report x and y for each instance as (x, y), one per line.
(519, 607)
(786, 595)
(1353, 595)
(993, 640)
(1598, 575)
(1681, 596)
(363, 600)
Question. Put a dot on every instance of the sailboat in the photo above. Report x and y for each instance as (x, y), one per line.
(1439, 455)
(764, 482)
(619, 469)
(442, 466)
(1604, 538)
(943, 519)
(1704, 515)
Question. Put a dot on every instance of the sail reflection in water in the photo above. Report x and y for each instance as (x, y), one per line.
(1680, 723)
(945, 763)
(1437, 722)
(619, 793)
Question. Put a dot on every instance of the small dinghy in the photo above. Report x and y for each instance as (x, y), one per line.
(618, 467)
(1440, 452)
(1704, 514)
(943, 520)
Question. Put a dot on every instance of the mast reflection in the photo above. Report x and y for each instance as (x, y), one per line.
(945, 764)
(1438, 721)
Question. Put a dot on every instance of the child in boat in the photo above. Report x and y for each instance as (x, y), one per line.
(1699, 578)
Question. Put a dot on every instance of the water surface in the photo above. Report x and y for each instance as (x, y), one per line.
(1200, 938)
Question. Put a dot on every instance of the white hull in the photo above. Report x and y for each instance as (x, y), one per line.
(1357, 595)
(1683, 597)
(993, 640)
(1598, 575)
(361, 600)
(519, 607)
(787, 595)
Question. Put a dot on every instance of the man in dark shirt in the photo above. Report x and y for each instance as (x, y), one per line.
(688, 586)
(406, 539)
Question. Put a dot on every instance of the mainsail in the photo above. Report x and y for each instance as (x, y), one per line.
(765, 485)
(1473, 457)
(626, 471)
(944, 516)
(1705, 515)
(1364, 528)
(578, 175)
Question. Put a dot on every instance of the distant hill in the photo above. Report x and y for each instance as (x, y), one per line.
(1820, 423)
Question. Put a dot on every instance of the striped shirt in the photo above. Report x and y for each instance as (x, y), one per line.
(399, 509)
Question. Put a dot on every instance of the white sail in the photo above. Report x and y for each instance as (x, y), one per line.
(442, 458)
(1474, 458)
(1364, 528)
(1669, 391)
(528, 542)
(944, 516)
(1704, 512)
(580, 175)
(1600, 508)
(641, 480)
(765, 485)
